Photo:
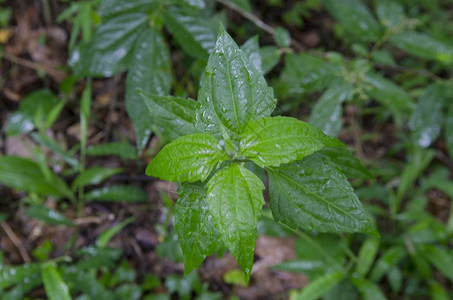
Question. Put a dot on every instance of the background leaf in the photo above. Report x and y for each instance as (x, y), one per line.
(56, 288)
(109, 8)
(117, 193)
(94, 175)
(47, 215)
(124, 150)
(320, 286)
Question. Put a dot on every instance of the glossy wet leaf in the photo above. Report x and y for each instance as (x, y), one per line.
(312, 195)
(424, 46)
(149, 70)
(196, 34)
(188, 158)
(366, 256)
(47, 215)
(56, 288)
(124, 150)
(111, 47)
(449, 129)
(346, 162)
(251, 48)
(24, 174)
(196, 231)
(356, 19)
(175, 116)
(109, 8)
(117, 193)
(94, 175)
(235, 199)
(328, 111)
(320, 286)
(233, 92)
(369, 290)
(427, 119)
(273, 141)
(32, 112)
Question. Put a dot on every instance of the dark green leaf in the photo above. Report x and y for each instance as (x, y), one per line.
(109, 8)
(105, 237)
(194, 33)
(128, 291)
(235, 201)
(368, 289)
(441, 258)
(328, 111)
(232, 92)
(313, 195)
(320, 286)
(56, 288)
(356, 19)
(188, 158)
(175, 116)
(345, 161)
(282, 37)
(366, 256)
(85, 282)
(47, 215)
(32, 112)
(423, 45)
(437, 292)
(11, 275)
(270, 57)
(117, 193)
(28, 283)
(196, 231)
(94, 175)
(122, 149)
(149, 71)
(251, 48)
(110, 49)
(50, 143)
(243, 4)
(449, 129)
(24, 174)
(427, 119)
(390, 13)
(389, 259)
(273, 141)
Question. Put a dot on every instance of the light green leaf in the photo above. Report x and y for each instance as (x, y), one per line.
(188, 158)
(105, 237)
(196, 231)
(366, 256)
(356, 19)
(346, 162)
(24, 174)
(122, 149)
(110, 49)
(195, 33)
(328, 111)
(94, 175)
(47, 215)
(449, 129)
(175, 116)
(390, 13)
(32, 112)
(282, 37)
(251, 49)
(109, 8)
(427, 119)
(232, 92)
(320, 286)
(117, 193)
(235, 198)
(313, 195)
(368, 289)
(273, 141)
(423, 45)
(437, 292)
(440, 258)
(149, 70)
(56, 288)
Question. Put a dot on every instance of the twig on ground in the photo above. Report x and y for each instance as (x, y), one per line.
(13, 237)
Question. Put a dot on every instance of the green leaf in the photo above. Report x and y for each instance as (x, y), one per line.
(282, 37)
(196, 231)
(312, 195)
(440, 258)
(11, 275)
(109, 8)
(251, 49)
(368, 289)
(94, 175)
(47, 215)
(175, 116)
(195, 34)
(128, 291)
(390, 13)
(50, 143)
(122, 149)
(104, 238)
(303, 266)
(110, 49)
(270, 57)
(86, 282)
(242, 4)
(149, 70)
(366, 256)
(32, 112)
(273, 141)
(233, 92)
(423, 45)
(30, 282)
(346, 162)
(389, 259)
(56, 288)
(95, 257)
(320, 286)
(356, 19)
(437, 292)
(117, 193)
(449, 129)
(24, 174)
(188, 158)
(427, 119)
(328, 111)
(235, 198)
